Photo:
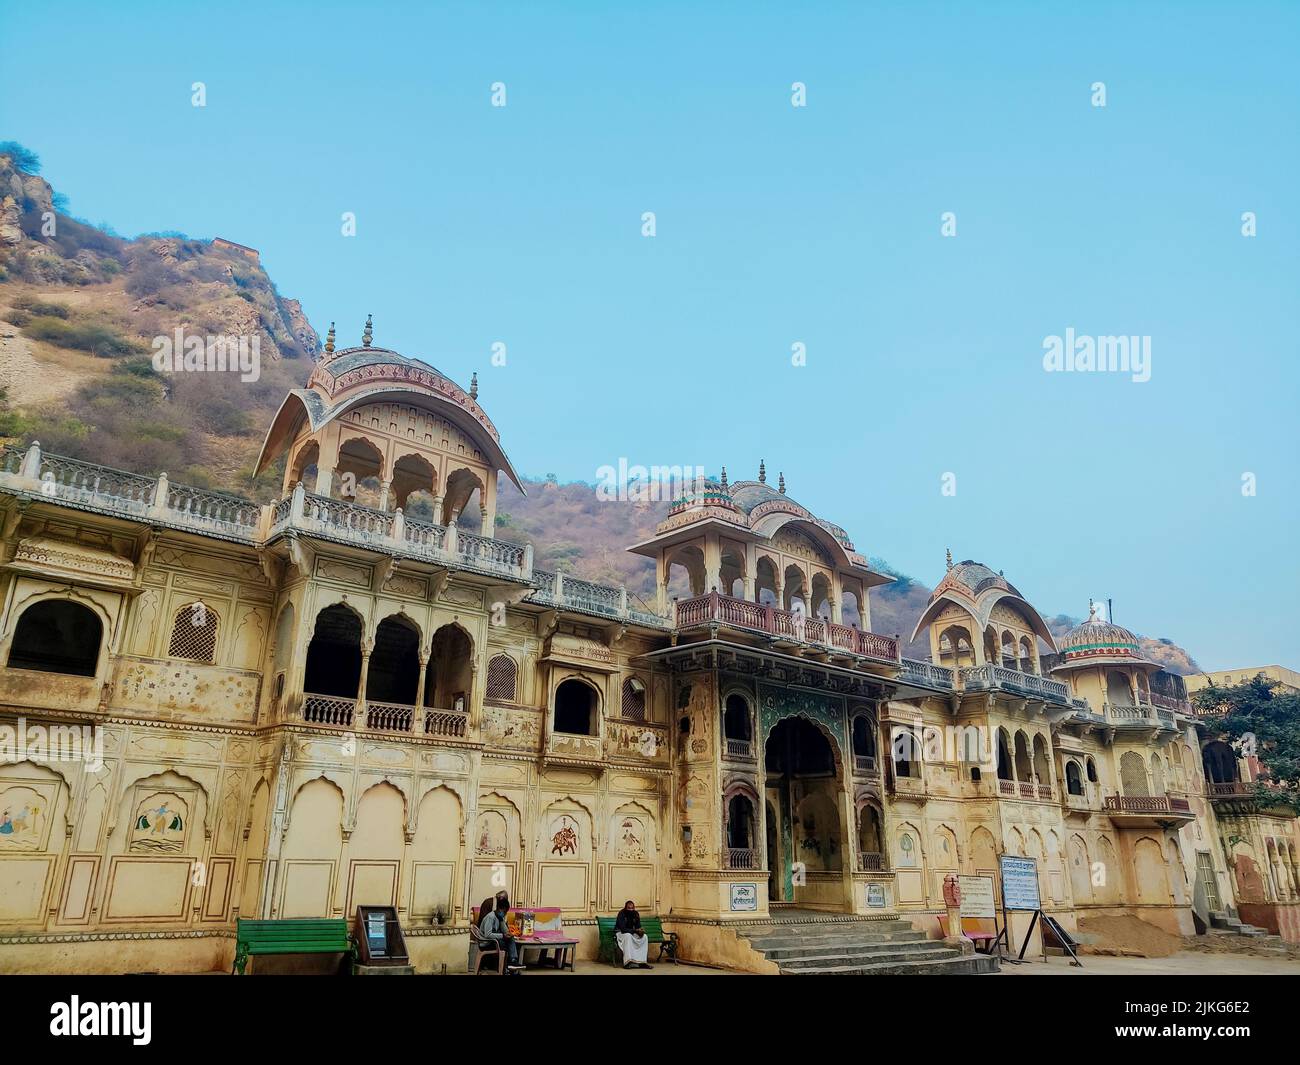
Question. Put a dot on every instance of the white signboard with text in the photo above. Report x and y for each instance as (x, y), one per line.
(1019, 883)
(977, 896)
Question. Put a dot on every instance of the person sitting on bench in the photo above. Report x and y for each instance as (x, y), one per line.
(489, 904)
(630, 939)
(493, 925)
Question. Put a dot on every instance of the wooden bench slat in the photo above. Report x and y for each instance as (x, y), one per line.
(322, 935)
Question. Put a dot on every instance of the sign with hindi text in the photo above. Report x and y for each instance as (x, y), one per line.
(977, 896)
(1019, 883)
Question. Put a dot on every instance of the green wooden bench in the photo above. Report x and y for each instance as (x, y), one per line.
(652, 927)
(297, 936)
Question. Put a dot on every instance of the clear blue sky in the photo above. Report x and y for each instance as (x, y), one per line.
(776, 225)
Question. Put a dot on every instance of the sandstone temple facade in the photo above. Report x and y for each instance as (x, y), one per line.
(350, 696)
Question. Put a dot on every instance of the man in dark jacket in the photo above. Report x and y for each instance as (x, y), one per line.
(493, 925)
(629, 937)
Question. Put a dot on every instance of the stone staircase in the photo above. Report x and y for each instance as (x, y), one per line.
(853, 947)
(1260, 939)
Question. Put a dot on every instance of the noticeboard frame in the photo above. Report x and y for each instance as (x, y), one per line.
(392, 950)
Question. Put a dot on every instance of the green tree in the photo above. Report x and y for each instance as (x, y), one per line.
(1261, 718)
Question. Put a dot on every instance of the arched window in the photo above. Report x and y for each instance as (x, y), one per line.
(1041, 771)
(1157, 775)
(1004, 757)
(1133, 774)
(870, 839)
(1119, 690)
(57, 636)
(394, 675)
(1092, 771)
(1008, 651)
(502, 679)
(740, 829)
(575, 708)
(864, 743)
(906, 753)
(735, 724)
(1220, 763)
(632, 700)
(449, 674)
(1026, 655)
(194, 633)
(1024, 765)
(1073, 778)
(333, 665)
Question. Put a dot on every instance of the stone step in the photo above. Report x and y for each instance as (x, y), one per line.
(776, 942)
(842, 959)
(851, 946)
(970, 964)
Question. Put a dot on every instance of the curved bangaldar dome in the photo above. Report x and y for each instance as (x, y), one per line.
(758, 507)
(749, 540)
(1099, 642)
(976, 617)
(374, 413)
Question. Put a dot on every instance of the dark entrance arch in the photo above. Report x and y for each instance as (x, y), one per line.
(809, 851)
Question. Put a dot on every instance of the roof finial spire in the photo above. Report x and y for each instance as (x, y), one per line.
(369, 334)
(473, 385)
(724, 477)
(781, 485)
(1092, 610)
(950, 558)
(762, 472)
(329, 340)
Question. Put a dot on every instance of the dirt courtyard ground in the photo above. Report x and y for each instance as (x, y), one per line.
(1184, 963)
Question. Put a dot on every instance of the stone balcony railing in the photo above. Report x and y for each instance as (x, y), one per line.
(102, 489)
(343, 712)
(392, 532)
(743, 858)
(1138, 805)
(743, 749)
(871, 862)
(988, 677)
(1138, 715)
(728, 611)
(865, 765)
(571, 593)
(926, 674)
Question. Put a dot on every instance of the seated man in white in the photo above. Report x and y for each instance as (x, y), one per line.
(629, 937)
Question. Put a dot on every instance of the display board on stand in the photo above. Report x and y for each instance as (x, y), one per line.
(1020, 894)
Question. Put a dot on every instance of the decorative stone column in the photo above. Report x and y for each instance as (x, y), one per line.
(417, 726)
(326, 478)
(360, 719)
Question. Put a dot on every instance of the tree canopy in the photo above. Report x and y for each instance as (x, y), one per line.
(1261, 718)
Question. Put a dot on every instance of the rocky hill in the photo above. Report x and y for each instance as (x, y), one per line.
(80, 308)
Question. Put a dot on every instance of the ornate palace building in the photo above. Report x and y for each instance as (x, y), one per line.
(349, 697)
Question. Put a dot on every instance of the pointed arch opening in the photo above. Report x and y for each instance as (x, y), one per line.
(57, 636)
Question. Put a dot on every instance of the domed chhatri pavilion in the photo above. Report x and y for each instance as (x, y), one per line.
(359, 695)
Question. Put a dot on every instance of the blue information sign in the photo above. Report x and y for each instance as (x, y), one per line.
(1019, 883)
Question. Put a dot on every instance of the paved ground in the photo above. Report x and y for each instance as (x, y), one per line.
(1186, 963)
(593, 968)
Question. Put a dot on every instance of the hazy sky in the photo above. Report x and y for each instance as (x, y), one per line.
(775, 225)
